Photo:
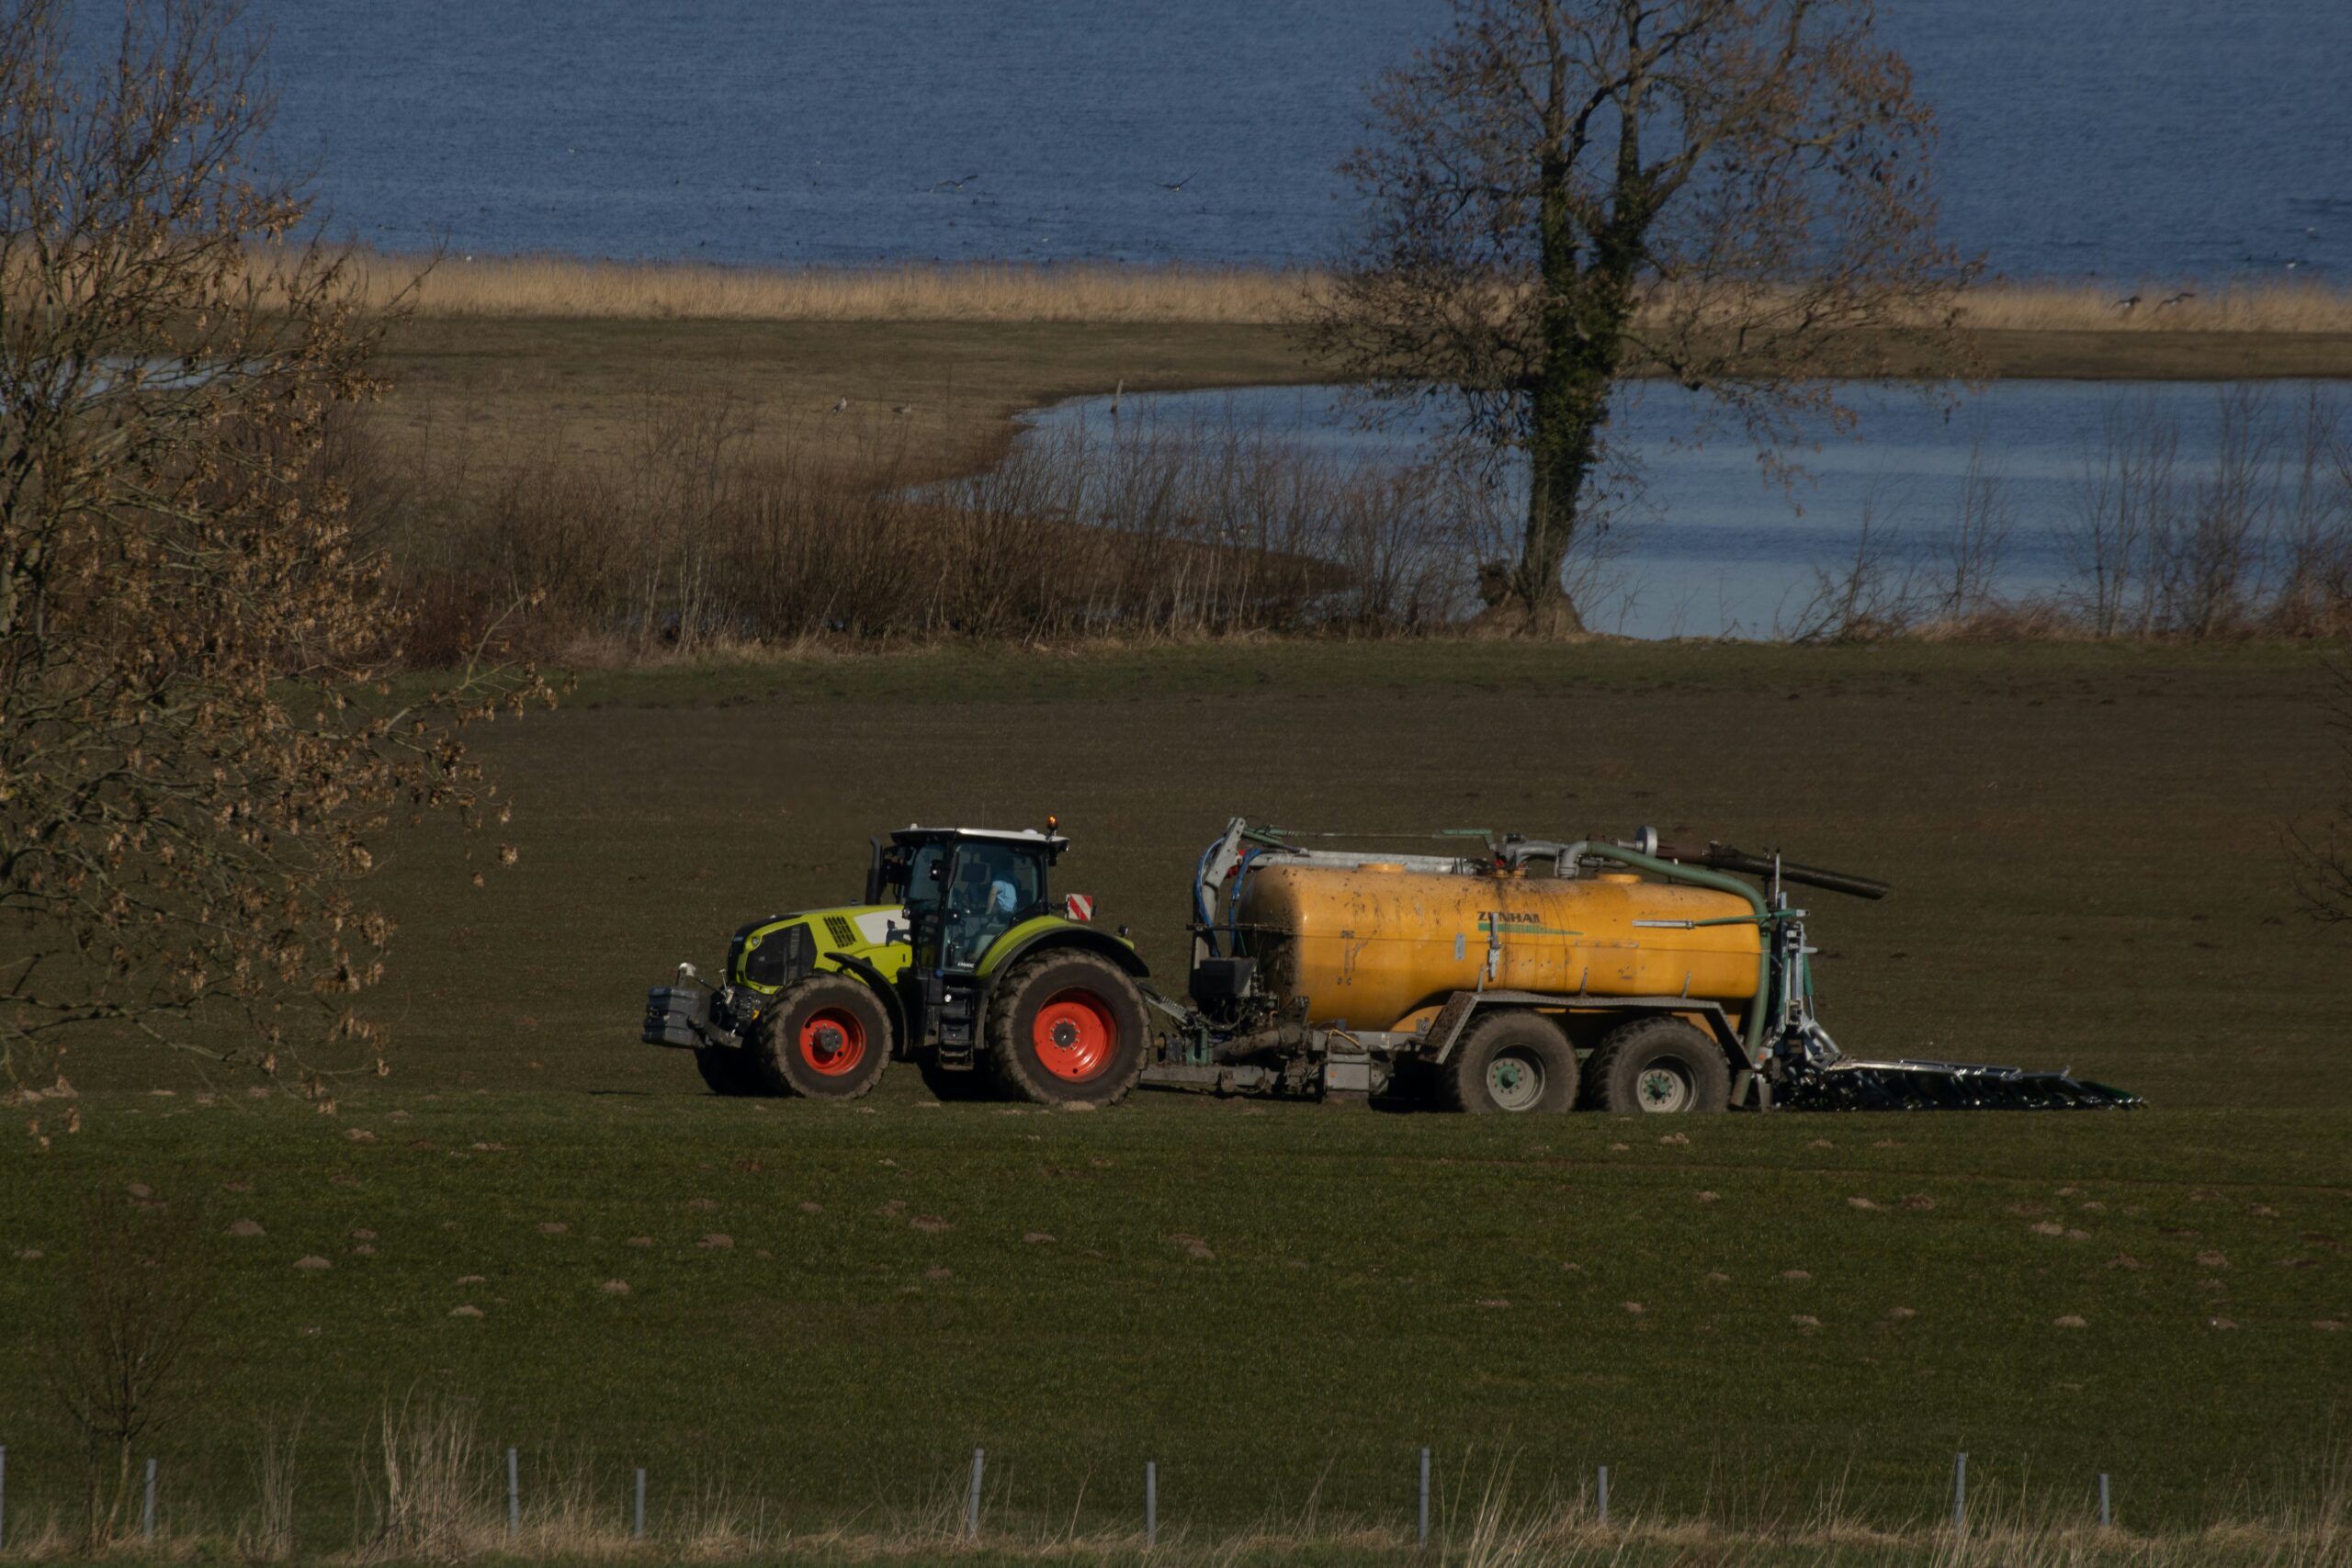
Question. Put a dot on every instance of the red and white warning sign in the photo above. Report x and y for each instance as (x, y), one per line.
(1079, 905)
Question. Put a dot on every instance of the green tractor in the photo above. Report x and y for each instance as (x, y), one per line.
(959, 958)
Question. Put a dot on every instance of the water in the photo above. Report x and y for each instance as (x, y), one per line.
(2162, 137)
(1715, 546)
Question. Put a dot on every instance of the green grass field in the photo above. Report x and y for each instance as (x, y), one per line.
(1281, 1303)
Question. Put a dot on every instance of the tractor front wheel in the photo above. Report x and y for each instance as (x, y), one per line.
(1067, 1028)
(1657, 1064)
(826, 1037)
(1511, 1062)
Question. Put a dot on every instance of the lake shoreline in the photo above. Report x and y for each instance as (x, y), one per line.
(585, 383)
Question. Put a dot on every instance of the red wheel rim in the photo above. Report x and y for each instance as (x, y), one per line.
(1075, 1035)
(832, 1042)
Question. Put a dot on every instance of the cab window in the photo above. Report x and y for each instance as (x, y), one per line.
(996, 885)
(926, 871)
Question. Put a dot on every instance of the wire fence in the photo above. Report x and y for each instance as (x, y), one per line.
(973, 1499)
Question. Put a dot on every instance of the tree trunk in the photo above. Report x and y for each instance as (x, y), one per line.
(1585, 304)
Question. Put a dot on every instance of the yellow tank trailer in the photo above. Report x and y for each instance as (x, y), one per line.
(1519, 975)
(1382, 947)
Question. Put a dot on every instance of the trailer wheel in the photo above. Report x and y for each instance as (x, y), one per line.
(1511, 1062)
(1067, 1028)
(729, 1070)
(1657, 1065)
(825, 1037)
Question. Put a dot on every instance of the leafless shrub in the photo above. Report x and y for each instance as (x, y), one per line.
(2313, 597)
(425, 1471)
(122, 1363)
(1967, 557)
(267, 1535)
(713, 532)
(2257, 540)
(2124, 517)
(2211, 578)
(1867, 597)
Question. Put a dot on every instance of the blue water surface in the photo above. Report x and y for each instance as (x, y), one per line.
(2162, 137)
(1718, 543)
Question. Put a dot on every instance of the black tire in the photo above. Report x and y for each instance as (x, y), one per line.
(827, 1037)
(1659, 1065)
(729, 1070)
(1067, 1028)
(1510, 1061)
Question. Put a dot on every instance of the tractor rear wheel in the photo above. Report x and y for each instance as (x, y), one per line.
(1067, 1028)
(1510, 1061)
(1657, 1064)
(729, 1070)
(826, 1037)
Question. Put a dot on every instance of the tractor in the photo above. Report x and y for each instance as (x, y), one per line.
(959, 958)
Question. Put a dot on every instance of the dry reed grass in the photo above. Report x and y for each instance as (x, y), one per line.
(2240, 305)
(988, 291)
(564, 288)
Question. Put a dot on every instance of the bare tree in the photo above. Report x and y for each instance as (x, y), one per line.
(122, 1364)
(193, 754)
(1733, 194)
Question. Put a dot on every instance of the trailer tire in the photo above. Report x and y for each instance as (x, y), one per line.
(729, 1070)
(827, 1037)
(1509, 1062)
(1659, 1065)
(1067, 1028)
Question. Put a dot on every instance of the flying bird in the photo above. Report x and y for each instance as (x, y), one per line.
(954, 185)
(841, 405)
(902, 408)
(2181, 298)
(1180, 184)
(2128, 306)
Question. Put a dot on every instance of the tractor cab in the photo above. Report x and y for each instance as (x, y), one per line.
(962, 887)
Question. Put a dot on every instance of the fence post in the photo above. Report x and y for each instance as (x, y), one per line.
(1425, 1498)
(1960, 1493)
(1601, 1493)
(1150, 1503)
(4, 1494)
(2105, 1518)
(637, 1524)
(514, 1496)
(972, 1502)
(147, 1519)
